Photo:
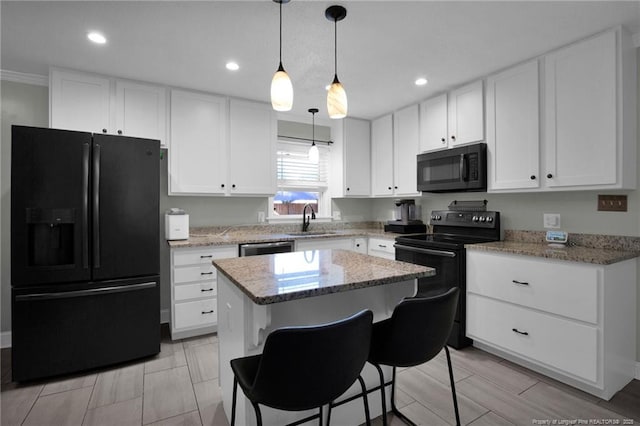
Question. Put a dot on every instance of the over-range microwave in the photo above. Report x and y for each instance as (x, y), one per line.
(459, 169)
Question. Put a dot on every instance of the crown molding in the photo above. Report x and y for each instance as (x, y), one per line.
(636, 40)
(21, 77)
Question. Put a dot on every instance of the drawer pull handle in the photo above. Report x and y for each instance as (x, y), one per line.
(381, 245)
(206, 289)
(524, 333)
(206, 273)
(207, 256)
(207, 312)
(519, 282)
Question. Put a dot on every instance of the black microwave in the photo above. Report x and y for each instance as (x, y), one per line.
(459, 169)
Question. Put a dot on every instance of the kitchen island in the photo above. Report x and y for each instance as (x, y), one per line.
(261, 293)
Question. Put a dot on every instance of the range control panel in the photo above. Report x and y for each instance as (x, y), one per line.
(475, 219)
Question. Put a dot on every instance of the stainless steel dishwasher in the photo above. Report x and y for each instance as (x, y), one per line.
(255, 249)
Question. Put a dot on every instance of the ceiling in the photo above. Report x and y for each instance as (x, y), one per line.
(383, 46)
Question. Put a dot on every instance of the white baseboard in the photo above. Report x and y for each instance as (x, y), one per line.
(5, 339)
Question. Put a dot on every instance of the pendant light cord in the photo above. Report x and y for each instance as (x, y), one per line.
(335, 46)
(280, 32)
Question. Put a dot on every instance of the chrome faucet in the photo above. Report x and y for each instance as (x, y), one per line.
(306, 221)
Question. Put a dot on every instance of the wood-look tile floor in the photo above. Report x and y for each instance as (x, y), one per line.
(179, 387)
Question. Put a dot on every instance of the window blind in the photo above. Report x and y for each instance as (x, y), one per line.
(295, 170)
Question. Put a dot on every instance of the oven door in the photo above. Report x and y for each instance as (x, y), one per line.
(450, 272)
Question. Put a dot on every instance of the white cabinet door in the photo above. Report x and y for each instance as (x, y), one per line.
(79, 101)
(141, 110)
(433, 123)
(197, 154)
(357, 157)
(406, 140)
(382, 155)
(513, 142)
(466, 114)
(252, 148)
(581, 113)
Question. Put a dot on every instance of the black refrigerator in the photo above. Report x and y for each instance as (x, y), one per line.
(85, 259)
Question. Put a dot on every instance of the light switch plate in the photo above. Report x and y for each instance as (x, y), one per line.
(337, 215)
(260, 217)
(551, 220)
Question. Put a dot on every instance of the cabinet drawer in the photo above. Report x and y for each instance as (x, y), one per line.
(195, 291)
(381, 248)
(197, 313)
(203, 256)
(205, 272)
(561, 288)
(560, 343)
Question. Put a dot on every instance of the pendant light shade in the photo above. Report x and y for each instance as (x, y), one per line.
(314, 155)
(337, 96)
(281, 87)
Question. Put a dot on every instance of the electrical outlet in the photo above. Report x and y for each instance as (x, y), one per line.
(260, 217)
(551, 220)
(612, 203)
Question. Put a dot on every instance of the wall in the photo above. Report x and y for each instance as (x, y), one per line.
(21, 104)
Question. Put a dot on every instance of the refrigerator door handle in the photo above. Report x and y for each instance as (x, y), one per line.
(96, 206)
(81, 293)
(85, 205)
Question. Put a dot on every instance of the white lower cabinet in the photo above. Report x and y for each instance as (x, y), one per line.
(572, 321)
(194, 289)
(381, 247)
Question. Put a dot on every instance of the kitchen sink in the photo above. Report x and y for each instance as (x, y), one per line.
(310, 233)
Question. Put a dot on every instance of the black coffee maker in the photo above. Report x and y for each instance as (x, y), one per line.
(407, 219)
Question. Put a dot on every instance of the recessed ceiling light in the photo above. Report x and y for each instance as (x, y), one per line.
(96, 37)
(421, 81)
(232, 66)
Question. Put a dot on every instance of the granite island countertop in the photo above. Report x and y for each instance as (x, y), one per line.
(289, 276)
(598, 256)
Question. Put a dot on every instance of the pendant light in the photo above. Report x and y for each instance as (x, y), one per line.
(314, 155)
(281, 87)
(336, 97)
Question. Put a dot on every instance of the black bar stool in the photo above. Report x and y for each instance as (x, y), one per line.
(416, 332)
(305, 367)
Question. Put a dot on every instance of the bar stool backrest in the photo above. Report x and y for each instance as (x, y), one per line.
(417, 330)
(307, 367)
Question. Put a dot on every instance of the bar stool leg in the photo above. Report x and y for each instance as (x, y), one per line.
(233, 403)
(453, 386)
(393, 402)
(320, 417)
(258, 413)
(367, 415)
(382, 395)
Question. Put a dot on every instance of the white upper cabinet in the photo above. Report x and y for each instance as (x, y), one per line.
(406, 141)
(98, 104)
(351, 158)
(583, 112)
(79, 101)
(465, 116)
(433, 123)
(252, 148)
(452, 119)
(513, 142)
(382, 156)
(197, 152)
(141, 110)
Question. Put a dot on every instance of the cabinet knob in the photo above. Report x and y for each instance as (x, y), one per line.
(444, 140)
(348, 189)
(222, 186)
(395, 187)
(104, 130)
(549, 176)
(453, 138)
(233, 186)
(389, 188)
(357, 245)
(532, 177)
(119, 132)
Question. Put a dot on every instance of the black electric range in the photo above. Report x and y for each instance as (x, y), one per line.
(444, 250)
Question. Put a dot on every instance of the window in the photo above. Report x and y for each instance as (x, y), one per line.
(300, 181)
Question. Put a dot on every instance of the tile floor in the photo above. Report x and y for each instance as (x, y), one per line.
(179, 387)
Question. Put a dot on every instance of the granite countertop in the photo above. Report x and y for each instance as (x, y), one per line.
(200, 237)
(594, 255)
(289, 276)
